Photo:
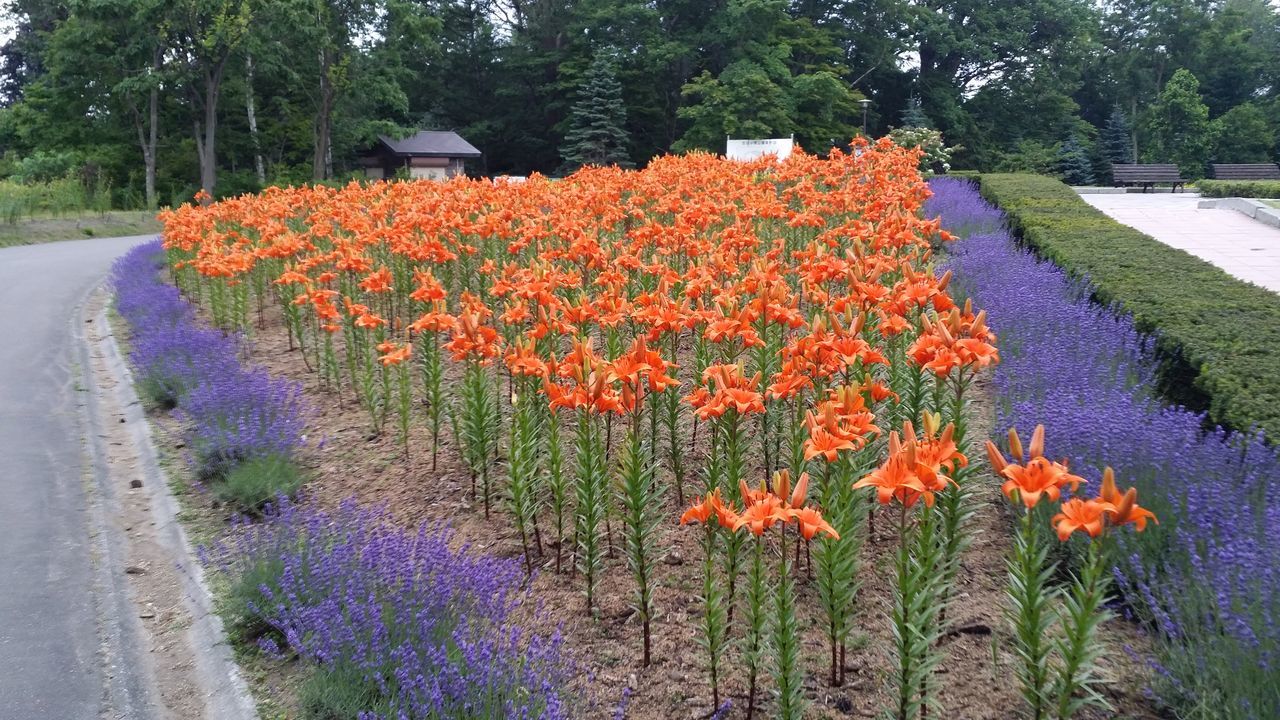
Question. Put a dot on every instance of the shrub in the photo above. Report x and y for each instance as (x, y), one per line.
(1216, 335)
(1207, 579)
(397, 622)
(252, 484)
(1239, 188)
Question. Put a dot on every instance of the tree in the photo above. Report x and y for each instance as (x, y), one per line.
(597, 122)
(206, 34)
(913, 116)
(1179, 126)
(1243, 136)
(1073, 162)
(1117, 140)
(112, 55)
(764, 90)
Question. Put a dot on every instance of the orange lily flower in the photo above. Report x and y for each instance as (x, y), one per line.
(1081, 515)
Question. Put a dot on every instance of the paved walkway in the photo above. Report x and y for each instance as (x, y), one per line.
(1243, 247)
(58, 619)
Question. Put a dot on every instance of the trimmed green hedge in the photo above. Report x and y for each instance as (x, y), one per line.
(1239, 188)
(1219, 335)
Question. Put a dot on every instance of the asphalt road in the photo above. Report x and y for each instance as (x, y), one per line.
(61, 649)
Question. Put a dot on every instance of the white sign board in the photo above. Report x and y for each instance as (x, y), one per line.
(745, 150)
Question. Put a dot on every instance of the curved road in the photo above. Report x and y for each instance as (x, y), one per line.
(66, 649)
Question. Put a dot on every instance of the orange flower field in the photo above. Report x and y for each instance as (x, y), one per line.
(757, 362)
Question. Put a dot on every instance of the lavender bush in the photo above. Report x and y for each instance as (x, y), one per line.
(1207, 579)
(235, 413)
(399, 624)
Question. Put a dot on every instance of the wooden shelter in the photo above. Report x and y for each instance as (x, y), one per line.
(436, 154)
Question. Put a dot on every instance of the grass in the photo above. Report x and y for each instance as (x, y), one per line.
(254, 483)
(113, 223)
(1273, 203)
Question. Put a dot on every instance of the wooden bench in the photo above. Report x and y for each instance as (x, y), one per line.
(1251, 171)
(1147, 176)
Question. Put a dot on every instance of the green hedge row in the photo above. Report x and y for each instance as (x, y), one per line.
(1220, 336)
(1239, 188)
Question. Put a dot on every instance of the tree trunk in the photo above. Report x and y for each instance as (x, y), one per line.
(1133, 125)
(258, 168)
(206, 147)
(149, 148)
(323, 128)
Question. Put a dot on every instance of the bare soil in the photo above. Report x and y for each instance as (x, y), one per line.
(155, 585)
(976, 678)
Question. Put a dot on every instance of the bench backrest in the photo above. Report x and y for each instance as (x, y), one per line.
(1250, 171)
(1146, 173)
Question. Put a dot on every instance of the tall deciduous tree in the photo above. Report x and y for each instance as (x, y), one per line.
(1243, 135)
(206, 35)
(1179, 126)
(112, 55)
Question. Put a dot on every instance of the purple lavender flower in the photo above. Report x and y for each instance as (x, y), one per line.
(429, 629)
(1207, 579)
(235, 413)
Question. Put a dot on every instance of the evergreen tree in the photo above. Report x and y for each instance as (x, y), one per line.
(913, 116)
(1074, 163)
(1179, 126)
(597, 122)
(1117, 138)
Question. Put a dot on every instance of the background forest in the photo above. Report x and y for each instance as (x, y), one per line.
(234, 95)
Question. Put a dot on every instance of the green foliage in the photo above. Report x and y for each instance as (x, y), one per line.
(917, 605)
(765, 88)
(913, 116)
(1239, 188)
(479, 426)
(523, 468)
(238, 606)
(1117, 138)
(1217, 334)
(788, 676)
(714, 627)
(597, 123)
(57, 198)
(1179, 127)
(1076, 682)
(640, 497)
(340, 691)
(1243, 135)
(557, 483)
(326, 76)
(1074, 163)
(1030, 600)
(257, 481)
(837, 560)
(590, 501)
(1029, 157)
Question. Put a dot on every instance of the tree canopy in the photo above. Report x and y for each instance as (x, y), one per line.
(163, 98)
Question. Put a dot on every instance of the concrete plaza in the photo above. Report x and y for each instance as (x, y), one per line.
(1243, 247)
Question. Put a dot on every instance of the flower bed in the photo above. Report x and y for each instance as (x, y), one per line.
(762, 350)
(235, 414)
(1216, 335)
(399, 623)
(1208, 582)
